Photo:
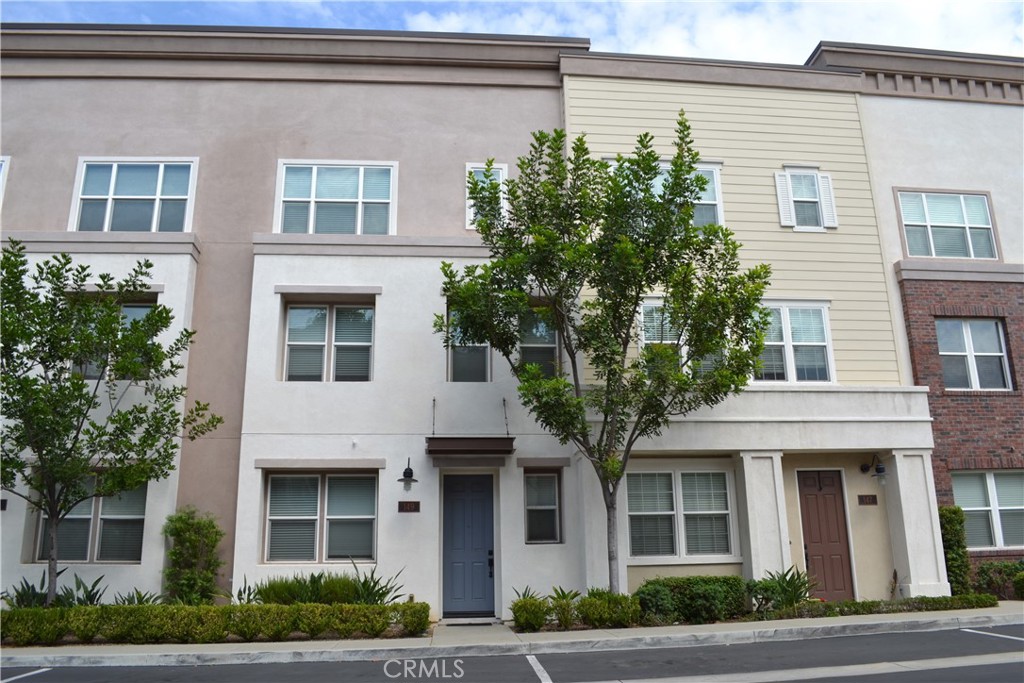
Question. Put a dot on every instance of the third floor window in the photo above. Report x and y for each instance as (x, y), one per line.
(337, 199)
(947, 225)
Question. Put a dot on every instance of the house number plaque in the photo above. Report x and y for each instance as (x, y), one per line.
(862, 500)
(408, 506)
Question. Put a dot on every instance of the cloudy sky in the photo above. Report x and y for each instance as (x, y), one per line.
(782, 32)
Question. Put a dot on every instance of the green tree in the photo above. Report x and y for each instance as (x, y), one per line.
(89, 400)
(578, 243)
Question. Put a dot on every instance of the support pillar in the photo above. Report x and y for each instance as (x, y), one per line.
(764, 532)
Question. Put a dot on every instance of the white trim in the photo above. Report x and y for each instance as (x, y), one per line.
(190, 199)
(825, 200)
(361, 164)
(787, 342)
(479, 166)
(993, 509)
(5, 164)
(557, 507)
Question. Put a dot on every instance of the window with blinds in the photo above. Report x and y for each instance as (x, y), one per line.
(796, 345)
(973, 353)
(705, 513)
(468, 362)
(707, 210)
(118, 522)
(543, 519)
(993, 505)
(651, 504)
(337, 199)
(135, 196)
(329, 343)
(538, 343)
(806, 200)
(943, 225)
(313, 518)
(499, 173)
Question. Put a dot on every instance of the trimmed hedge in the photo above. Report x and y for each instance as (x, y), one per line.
(954, 544)
(142, 624)
(919, 604)
(694, 599)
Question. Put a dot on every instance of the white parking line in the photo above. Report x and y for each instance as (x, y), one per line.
(538, 669)
(994, 635)
(30, 673)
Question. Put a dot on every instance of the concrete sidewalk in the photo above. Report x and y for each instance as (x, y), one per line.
(499, 639)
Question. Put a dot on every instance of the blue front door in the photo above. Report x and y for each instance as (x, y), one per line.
(468, 545)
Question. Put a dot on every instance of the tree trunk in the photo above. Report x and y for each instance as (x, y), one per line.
(51, 568)
(613, 542)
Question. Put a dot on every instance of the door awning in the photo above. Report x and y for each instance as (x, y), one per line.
(449, 451)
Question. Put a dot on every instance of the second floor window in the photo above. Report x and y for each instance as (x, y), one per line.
(136, 196)
(973, 353)
(538, 343)
(947, 225)
(342, 199)
(329, 343)
(796, 345)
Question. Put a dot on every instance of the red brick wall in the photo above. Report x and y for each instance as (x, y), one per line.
(981, 430)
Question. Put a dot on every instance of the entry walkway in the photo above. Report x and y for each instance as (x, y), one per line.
(498, 639)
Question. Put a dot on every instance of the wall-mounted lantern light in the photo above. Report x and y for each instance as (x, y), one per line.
(879, 468)
(407, 478)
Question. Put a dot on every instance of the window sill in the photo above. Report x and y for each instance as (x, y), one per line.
(980, 392)
(676, 559)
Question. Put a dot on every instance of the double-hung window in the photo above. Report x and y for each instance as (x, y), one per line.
(543, 522)
(337, 199)
(538, 343)
(947, 225)
(499, 173)
(657, 331)
(707, 210)
(329, 343)
(796, 345)
(94, 368)
(317, 518)
(973, 353)
(699, 501)
(134, 196)
(993, 504)
(469, 363)
(805, 197)
(100, 529)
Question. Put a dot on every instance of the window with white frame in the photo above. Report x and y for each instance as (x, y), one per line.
(130, 313)
(543, 519)
(973, 353)
(100, 529)
(498, 171)
(707, 210)
(538, 343)
(993, 505)
(700, 502)
(656, 329)
(469, 362)
(945, 225)
(321, 517)
(134, 196)
(337, 199)
(796, 345)
(806, 200)
(5, 162)
(329, 343)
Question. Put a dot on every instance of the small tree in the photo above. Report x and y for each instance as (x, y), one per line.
(192, 560)
(89, 403)
(579, 246)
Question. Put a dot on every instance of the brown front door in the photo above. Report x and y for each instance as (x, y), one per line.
(826, 545)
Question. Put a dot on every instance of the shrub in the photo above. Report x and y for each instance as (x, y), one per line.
(954, 545)
(414, 617)
(529, 611)
(656, 604)
(81, 594)
(339, 588)
(85, 622)
(193, 563)
(137, 597)
(25, 594)
(246, 620)
(601, 608)
(918, 604)
(563, 606)
(996, 577)
(371, 589)
(136, 624)
(313, 619)
(280, 590)
(702, 599)
(779, 590)
(763, 594)
(34, 625)
(326, 589)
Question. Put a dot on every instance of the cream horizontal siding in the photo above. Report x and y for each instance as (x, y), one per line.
(752, 132)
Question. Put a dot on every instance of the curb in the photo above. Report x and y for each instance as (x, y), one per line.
(755, 635)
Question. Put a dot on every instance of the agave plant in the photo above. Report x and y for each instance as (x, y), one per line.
(371, 589)
(137, 597)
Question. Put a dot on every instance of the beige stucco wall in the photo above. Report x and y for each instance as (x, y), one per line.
(636, 575)
(870, 546)
(752, 131)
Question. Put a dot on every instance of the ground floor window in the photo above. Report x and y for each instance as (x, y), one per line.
(101, 529)
(697, 503)
(320, 517)
(543, 500)
(993, 505)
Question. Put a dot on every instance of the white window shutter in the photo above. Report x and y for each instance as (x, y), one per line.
(828, 201)
(787, 216)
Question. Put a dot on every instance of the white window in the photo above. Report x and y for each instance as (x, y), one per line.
(708, 208)
(806, 201)
(543, 519)
(316, 518)
(500, 173)
(4, 163)
(538, 343)
(469, 363)
(346, 198)
(796, 345)
(656, 330)
(134, 195)
(700, 502)
(329, 343)
(947, 225)
(993, 504)
(93, 368)
(102, 529)
(973, 353)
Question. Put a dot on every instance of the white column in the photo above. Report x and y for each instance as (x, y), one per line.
(914, 524)
(762, 509)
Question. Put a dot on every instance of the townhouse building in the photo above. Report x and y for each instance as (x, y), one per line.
(298, 191)
(945, 136)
